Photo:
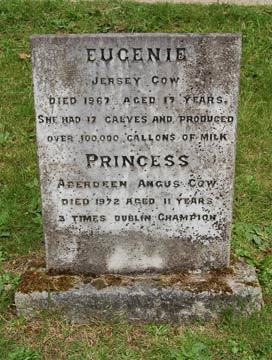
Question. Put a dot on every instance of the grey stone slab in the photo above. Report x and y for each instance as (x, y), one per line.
(157, 298)
(136, 147)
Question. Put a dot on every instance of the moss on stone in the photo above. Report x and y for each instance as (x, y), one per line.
(39, 280)
(36, 278)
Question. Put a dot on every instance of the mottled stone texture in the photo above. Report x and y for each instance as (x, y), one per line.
(158, 298)
(136, 147)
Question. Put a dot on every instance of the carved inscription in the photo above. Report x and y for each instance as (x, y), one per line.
(136, 144)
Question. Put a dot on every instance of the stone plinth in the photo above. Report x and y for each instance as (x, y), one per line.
(176, 297)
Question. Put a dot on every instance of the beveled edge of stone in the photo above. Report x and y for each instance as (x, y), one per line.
(37, 37)
(149, 302)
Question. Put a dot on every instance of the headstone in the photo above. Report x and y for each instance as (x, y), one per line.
(136, 147)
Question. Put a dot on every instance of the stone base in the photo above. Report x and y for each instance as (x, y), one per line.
(172, 297)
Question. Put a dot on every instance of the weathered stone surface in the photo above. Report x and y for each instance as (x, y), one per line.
(155, 298)
(136, 145)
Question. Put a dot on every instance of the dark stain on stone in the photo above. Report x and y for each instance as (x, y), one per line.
(251, 283)
(56, 272)
(222, 272)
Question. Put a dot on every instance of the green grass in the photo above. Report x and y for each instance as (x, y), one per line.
(20, 216)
